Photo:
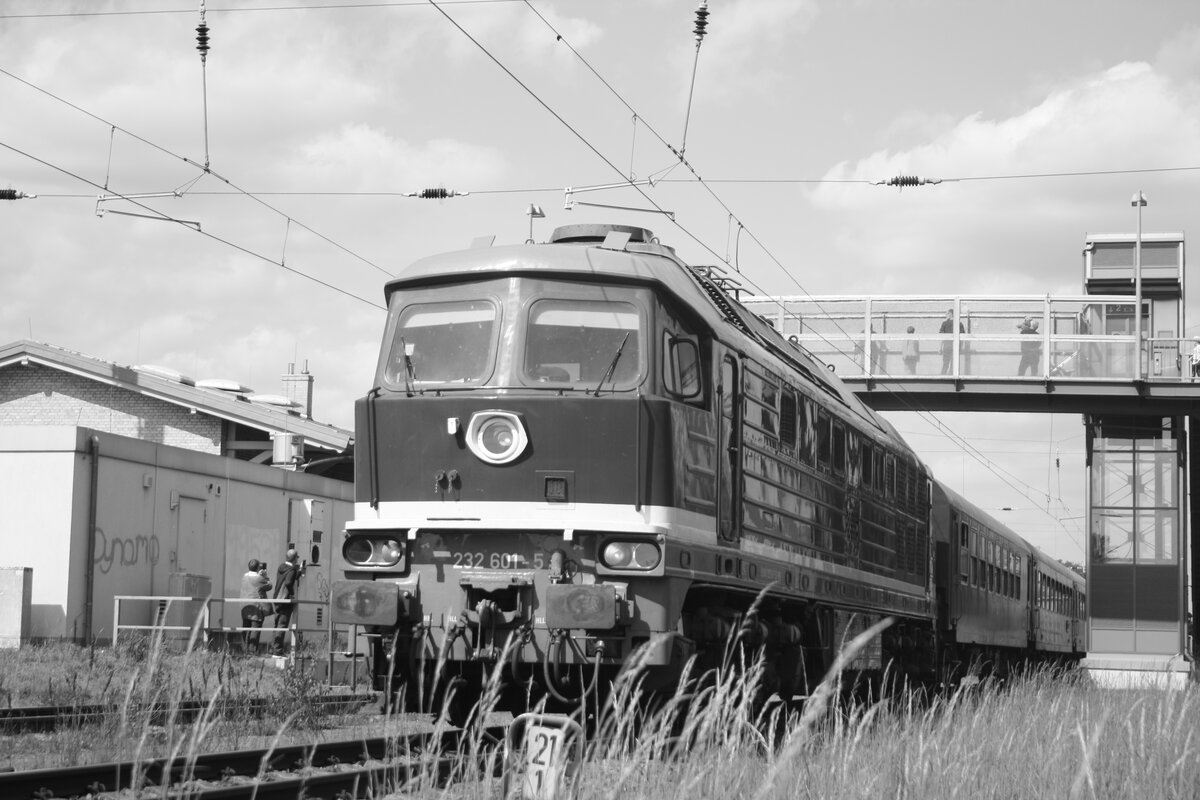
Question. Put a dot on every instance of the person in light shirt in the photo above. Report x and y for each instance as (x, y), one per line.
(255, 585)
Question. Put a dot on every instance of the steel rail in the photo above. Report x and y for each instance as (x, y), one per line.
(401, 757)
(46, 718)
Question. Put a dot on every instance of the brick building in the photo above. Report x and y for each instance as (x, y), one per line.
(45, 385)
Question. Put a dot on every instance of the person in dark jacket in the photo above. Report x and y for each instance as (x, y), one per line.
(1031, 349)
(948, 345)
(287, 577)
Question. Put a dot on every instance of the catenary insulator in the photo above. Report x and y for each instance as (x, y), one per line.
(701, 21)
(907, 180)
(202, 39)
(13, 194)
(438, 193)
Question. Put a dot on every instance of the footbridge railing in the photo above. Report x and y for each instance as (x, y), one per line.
(1060, 338)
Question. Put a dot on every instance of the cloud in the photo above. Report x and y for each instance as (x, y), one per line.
(358, 156)
(748, 42)
(993, 232)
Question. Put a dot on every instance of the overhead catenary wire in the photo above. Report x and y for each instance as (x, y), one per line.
(204, 170)
(156, 214)
(244, 9)
(682, 228)
(1009, 479)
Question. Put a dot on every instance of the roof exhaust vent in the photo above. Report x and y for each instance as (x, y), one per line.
(588, 233)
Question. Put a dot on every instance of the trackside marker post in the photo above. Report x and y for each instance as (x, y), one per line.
(542, 753)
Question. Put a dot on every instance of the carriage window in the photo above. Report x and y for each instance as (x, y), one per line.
(824, 446)
(868, 474)
(583, 343)
(963, 557)
(807, 420)
(443, 343)
(839, 448)
(787, 418)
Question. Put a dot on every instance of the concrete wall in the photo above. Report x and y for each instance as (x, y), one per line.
(159, 510)
(39, 395)
(39, 500)
(16, 594)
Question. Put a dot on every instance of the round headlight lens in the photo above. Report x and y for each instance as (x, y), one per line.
(358, 550)
(390, 553)
(617, 554)
(497, 436)
(646, 555)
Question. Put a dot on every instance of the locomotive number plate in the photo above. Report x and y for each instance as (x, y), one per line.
(481, 560)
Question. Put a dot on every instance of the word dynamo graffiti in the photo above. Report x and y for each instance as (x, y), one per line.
(128, 551)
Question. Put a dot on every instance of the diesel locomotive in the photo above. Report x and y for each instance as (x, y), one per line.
(579, 449)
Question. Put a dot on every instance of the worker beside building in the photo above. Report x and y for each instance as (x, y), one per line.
(287, 578)
(255, 585)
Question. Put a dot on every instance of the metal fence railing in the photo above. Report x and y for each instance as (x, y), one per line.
(1039, 338)
(164, 615)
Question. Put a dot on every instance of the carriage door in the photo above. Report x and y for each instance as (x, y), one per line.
(729, 456)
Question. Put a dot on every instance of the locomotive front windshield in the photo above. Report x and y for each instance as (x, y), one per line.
(588, 342)
(443, 343)
(545, 334)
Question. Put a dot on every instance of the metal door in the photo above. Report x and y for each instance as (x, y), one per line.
(729, 456)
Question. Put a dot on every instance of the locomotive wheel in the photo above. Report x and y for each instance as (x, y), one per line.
(456, 699)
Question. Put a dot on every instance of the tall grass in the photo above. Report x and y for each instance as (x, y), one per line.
(716, 736)
(149, 680)
(1043, 735)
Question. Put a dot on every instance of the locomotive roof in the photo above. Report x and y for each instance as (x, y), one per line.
(580, 251)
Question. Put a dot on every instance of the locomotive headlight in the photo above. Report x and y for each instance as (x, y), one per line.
(390, 553)
(646, 555)
(641, 556)
(364, 551)
(358, 550)
(617, 554)
(497, 437)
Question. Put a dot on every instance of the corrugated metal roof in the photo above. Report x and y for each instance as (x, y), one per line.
(234, 407)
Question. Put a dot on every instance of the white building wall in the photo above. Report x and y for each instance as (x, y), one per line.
(159, 510)
(37, 488)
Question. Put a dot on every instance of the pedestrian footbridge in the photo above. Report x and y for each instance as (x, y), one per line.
(1129, 378)
(975, 353)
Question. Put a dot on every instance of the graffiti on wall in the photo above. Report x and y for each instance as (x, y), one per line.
(127, 551)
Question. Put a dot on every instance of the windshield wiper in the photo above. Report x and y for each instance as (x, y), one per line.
(410, 373)
(612, 366)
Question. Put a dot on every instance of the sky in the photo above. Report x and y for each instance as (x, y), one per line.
(1041, 119)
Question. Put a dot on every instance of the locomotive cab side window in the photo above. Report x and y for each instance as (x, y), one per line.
(681, 366)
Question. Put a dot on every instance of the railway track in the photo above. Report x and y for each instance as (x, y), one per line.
(353, 768)
(36, 719)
